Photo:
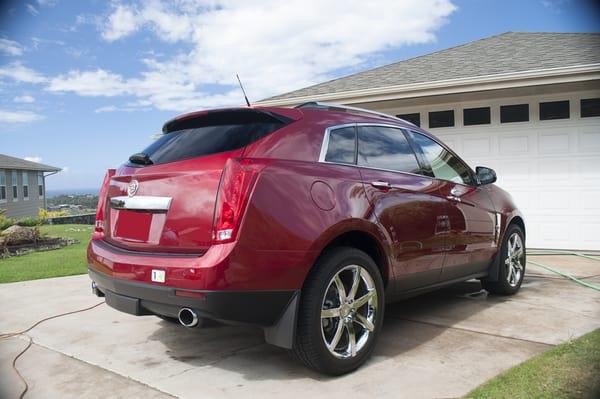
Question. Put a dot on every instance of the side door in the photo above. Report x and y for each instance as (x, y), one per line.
(406, 204)
(471, 241)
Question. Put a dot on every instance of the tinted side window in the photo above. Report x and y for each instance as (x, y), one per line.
(385, 148)
(342, 145)
(444, 165)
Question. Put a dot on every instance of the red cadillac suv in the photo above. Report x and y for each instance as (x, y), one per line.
(303, 221)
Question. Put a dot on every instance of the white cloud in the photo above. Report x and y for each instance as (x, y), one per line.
(31, 9)
(275, 46)
(121, 22)
(10, 47)
(49, 3)
(18, 116)
(33, 159)
(37, 41)
(89, 83)
(108, 108)
(20, 73)
(24, 99)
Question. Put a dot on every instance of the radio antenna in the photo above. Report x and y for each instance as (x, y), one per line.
(243, 91)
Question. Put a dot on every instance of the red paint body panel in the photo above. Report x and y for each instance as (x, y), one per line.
(296, 207)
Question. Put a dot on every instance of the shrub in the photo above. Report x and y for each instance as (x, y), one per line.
(30, 221)
(45, 214)
(5, 222)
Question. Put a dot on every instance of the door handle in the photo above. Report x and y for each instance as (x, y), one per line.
(453, 198)
(381, 185)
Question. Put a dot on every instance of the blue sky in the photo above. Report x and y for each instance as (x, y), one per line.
(85, 84)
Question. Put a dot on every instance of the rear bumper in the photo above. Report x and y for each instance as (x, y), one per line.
(262, 308)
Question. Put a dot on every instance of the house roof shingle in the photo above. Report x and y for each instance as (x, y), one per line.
(8, 162)
(505, 53)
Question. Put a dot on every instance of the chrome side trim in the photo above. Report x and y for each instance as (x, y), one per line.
(325, 143)
(141, 203)
(498, 228)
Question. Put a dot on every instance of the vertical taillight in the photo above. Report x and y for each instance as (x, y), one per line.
(237, 182)
(102, 196)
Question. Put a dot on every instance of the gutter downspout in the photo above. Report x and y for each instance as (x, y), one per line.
(44, 181)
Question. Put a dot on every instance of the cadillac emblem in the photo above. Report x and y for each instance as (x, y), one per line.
(132, 188)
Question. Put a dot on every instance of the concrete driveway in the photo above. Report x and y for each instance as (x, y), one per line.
(438, 345)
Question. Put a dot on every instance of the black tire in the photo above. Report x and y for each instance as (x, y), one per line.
(309, 344)
(503, 285)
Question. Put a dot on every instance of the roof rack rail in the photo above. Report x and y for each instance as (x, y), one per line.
(317, 104)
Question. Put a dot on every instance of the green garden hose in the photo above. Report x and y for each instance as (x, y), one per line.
(560, 273)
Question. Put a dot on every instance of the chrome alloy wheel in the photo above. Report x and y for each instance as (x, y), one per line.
(514, 259)
(348, 311)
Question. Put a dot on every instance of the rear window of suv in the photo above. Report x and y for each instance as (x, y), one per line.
(215, 132)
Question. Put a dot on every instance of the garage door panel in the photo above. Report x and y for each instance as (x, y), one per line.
(551, 169)
(554, 142)
(553, 200)
(477, 146)
(554, 170)
(589, 140)
(510, 146)
(588, 169)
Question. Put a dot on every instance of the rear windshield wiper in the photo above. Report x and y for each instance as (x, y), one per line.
(141, 159)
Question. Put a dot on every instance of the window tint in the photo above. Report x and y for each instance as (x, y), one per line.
(444, 165)
(342, 145)
(476, 116)
(514, 113)
(590, 107)
(385, 148)
(209, 134)
(441, 119)
(415, 118)
(554, 110)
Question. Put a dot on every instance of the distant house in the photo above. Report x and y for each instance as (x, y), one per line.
(23, 186)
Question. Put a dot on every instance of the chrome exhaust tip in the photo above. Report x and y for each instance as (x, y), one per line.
(188, 318)
(96, 291)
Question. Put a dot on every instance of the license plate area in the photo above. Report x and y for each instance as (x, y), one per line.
(131, 225)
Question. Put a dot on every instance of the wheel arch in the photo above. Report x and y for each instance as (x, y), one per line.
(369, 240)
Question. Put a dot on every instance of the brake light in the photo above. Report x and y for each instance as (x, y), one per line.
(237, 182)
(99, 227)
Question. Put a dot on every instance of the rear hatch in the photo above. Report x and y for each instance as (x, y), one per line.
(163, 199)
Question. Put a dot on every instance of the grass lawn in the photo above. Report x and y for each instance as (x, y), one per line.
(66, 261)
(570, 370)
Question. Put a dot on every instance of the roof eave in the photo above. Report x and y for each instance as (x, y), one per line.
(536, 77)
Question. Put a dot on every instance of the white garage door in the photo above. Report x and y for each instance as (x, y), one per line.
(552, 170)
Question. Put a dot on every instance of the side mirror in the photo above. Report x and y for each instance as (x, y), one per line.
(485, 175)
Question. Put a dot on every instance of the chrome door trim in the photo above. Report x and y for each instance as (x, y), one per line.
(141, 203)
(325, 142)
